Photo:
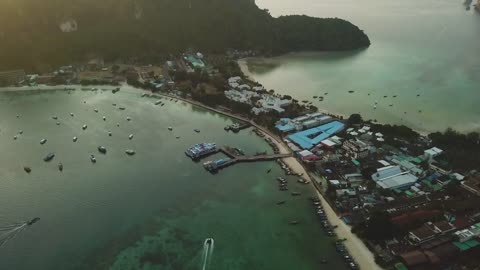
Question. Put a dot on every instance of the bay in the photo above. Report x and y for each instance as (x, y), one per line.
(427, 48)
(153, 210)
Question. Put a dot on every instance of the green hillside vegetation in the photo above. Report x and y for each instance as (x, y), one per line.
(30, 35)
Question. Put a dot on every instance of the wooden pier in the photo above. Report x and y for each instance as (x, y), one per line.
(236, 157)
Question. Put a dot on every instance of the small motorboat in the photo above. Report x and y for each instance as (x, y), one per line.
(84, 127)
(294, 222)
(130, 136)
(20, 132)
(170, 128)
(394, 96)
(75, 139)
(418, 95)
(281, 202)
(102, 149)
(114, 104)
(110, 134)
(324, 261)
(295, 193)
(60, 166)
(197, 130)
(71, 114)
(31, 222)
(43, 141)
(351, 91)
(58, 123)
(128, 118)
(269, 170)
(158, 102)
(177, 137)
(27, 169)
(122, 108)
(144, 94)
(385, 96)
(130, 152)
(95, 110)
(104, 118)
(49, 157)
(93, 159)
(162, 104)
(55, 117)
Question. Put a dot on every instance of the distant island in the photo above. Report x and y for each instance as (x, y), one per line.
(38, 35)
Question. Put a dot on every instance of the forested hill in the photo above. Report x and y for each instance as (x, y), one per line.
(31, 34)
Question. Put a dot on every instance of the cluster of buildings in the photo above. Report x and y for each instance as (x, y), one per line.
(255, 96)
(359, 172)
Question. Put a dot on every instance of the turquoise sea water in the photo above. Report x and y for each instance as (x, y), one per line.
(149, 211)
(427, 47)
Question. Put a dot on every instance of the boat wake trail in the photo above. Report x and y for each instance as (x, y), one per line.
(207, 252)
(9, 232)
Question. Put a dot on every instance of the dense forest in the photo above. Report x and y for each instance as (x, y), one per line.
(31, 36)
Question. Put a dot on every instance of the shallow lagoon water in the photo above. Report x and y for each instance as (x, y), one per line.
(427, 48)
(149, 211)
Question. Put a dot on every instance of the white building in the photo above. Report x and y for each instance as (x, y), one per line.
(429, 154)
(392, 177)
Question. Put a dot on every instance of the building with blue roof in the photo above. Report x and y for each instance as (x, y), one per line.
(307, 139)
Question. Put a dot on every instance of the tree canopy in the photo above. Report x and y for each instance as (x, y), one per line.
(30, 32)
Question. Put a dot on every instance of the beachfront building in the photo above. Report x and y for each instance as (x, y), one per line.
(11, 77)
(287, 125)
(242, 96)
(271, 103)
(392, 177)
(194, 61)
(307, 139)
(431, 153)
(356, 148)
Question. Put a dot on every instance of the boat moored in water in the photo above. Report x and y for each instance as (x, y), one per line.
(27, 169)
(130, 152)
(60, 166)
(84, 127)
(102, 149)
(130, 136)
(75, 139)
(31, 222)
(43, 141)
(49, 157)
(170, 128)
(93, 159)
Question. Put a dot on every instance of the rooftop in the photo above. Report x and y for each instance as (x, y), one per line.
(307, 139)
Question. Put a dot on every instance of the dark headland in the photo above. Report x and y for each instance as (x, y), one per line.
(35, 34)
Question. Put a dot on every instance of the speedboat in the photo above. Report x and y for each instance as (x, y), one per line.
(130, 136)
(43, 141)
(209, 241)
(130, 152)
(60, 166)
(93, 159)
(49, 157)
(102, 149)
(75, 139)
(84, 127)
(27, 169)
(31, 222)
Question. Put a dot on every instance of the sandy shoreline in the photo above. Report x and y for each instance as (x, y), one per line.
(357, 249)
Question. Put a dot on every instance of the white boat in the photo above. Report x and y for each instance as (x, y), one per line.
(84, 127)
(110, 133)
(128, 118)
(104, 118)
(71, 114)
(75, 139)
(15, 137)
(130, 152)
(170, 128)
(130, 136)
(54, 117)
(93, 159)
(43, 141)
(96, 110)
